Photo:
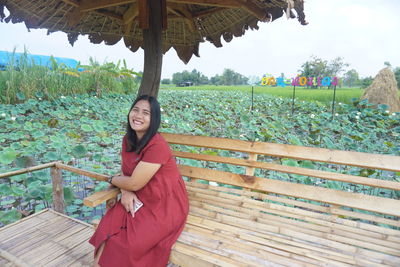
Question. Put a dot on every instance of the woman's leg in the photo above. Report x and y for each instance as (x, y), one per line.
(98, 255)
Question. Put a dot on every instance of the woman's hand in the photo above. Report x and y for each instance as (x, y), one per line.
(128, 200)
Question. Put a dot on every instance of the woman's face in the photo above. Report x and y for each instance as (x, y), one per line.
(139, 117)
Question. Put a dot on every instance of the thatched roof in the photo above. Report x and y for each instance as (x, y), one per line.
(188, 22)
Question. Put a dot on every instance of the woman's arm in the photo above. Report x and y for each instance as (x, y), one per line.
(141, 175)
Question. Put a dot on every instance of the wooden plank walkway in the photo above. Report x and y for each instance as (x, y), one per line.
(47, 238)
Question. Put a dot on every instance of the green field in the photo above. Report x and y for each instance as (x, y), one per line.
(343, 95)
(86, 131)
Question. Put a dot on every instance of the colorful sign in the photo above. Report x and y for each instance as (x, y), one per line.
(300, 81)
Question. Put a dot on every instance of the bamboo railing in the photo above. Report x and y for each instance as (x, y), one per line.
(56, 168)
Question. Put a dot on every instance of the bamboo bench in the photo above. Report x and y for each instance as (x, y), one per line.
(264, 221)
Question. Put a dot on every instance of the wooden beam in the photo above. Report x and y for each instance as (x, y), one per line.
(110, 15)
(131, 13)
(208, 11)
(90, 5)
(219, 3)
(72, 2)
(74, 16)
(334, 176)
(164, 15)
(181, 10)
(144, 14)
(350, 158)
(100, 197)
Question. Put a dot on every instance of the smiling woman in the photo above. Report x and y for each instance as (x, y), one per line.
(143, 237)
(139, 118)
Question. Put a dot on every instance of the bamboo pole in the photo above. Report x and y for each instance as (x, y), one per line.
(95, 175)
(29, 169)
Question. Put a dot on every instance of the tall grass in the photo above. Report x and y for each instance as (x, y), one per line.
(24, 79)
(343, 95)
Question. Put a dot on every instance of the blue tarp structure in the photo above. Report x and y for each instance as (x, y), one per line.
(6, 57)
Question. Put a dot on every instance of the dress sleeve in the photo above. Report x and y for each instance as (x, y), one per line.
(157, 152)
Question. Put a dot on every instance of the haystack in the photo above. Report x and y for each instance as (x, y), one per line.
(383, 90)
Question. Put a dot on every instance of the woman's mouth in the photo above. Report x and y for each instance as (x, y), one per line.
(138, 123)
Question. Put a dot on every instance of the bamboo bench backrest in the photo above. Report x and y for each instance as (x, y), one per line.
(335, 198)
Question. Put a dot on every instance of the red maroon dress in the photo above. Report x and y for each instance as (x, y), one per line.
(147, 238)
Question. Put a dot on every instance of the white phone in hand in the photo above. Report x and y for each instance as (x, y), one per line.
(138, 204)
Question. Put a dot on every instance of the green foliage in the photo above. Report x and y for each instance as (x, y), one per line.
(24, 80)
(351, 79)
(397, 76)
(317, 67)
(229, 77)
(9, 216)
(367, 81)
(165, 81)
(194, 77)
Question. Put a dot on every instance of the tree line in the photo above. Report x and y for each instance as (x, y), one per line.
(228, 77)
(314, 67)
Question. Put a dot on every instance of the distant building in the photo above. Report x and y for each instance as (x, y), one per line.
(7, 57)
(184, 84)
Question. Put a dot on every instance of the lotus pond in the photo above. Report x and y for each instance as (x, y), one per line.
(86, 132)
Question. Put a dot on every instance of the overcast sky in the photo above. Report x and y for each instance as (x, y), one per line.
(366, 33)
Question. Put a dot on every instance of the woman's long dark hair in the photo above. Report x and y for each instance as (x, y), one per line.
(155, 118)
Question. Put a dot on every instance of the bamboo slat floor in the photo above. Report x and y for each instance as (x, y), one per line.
(224, 228)
(47, 238)
(243, 231)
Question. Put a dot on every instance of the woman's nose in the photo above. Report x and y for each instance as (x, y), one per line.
(138, 114)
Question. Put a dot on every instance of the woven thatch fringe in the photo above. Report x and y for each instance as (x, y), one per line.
(72, 37)
(275, 13)
(215, 40)
(253, 24)
(238, 31)
(107, 24)
(383, 90)
(111, 39)
(95, 38)
(166, 47)
(132, 44)
(185, 52)
(227, 36)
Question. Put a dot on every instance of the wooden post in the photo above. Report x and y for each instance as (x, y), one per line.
(152, 40)
(250, 170)
(58, 191)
